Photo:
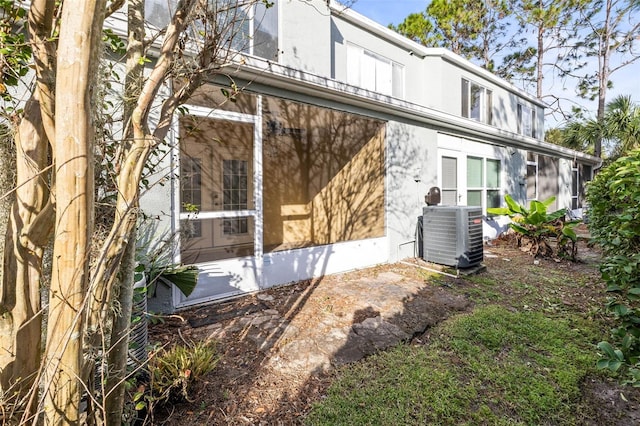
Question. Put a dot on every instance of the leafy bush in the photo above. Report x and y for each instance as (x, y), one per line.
(614, 223)
(537, 229)
(173, 372)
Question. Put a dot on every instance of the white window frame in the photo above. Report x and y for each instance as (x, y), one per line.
(527, 122)
(488, 188)
(575, 184)
(462, 187)
(486, 101)
(167, 8)
(374, 72)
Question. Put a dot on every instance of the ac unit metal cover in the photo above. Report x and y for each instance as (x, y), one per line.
(452, 235)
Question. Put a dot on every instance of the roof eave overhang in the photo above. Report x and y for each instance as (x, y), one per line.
(291, 80)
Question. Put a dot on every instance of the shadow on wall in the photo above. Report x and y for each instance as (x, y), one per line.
(323, 176)
(411, 171)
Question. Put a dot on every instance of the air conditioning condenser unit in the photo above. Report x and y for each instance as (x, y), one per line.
(452, 235)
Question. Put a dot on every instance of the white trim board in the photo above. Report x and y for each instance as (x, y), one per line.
(245, 275)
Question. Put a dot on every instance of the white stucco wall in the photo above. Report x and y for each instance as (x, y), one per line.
(305, 36)
(564, 183)
(411, 170)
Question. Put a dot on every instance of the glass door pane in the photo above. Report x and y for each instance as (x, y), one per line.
(449, 181)
(532, 181)
(474, 198)
(474, 172)
(216, 189)
(493, 173)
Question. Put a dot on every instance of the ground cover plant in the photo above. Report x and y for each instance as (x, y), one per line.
(524, 355)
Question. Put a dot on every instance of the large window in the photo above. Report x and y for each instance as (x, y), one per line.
(580, 175)
(543, 178)
(476, 102)
(374, 72)
(483, 182)
(251, 27)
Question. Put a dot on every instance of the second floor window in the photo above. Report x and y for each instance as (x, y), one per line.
(374, 72)
(526, 121)
(249, 27)
(476, 102)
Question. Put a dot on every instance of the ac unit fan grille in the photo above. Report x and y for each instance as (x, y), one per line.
(452, 235)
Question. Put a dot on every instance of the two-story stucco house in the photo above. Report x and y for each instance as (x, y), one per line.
(323, 162)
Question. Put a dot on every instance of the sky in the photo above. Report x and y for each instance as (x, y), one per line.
(385, 12)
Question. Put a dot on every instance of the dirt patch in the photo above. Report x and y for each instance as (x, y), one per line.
(255, 383)
(610, 404)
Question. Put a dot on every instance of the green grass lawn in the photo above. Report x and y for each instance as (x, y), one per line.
(510, 364)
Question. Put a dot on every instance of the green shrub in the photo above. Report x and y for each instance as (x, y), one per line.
(614, 223)
(173, 372)
(537, 229)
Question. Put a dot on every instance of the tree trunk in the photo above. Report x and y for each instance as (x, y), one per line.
(540, 60)
(7, 184)
(78, 47)
(29, 225)
(118, 352)
(119, 347)
(603, 73)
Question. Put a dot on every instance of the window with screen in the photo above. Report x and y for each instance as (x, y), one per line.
(527, 121)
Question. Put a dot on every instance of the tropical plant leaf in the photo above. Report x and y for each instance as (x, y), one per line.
(498, 211)
(513, 206)
(570, 233)
(548, 201)
(183, 277)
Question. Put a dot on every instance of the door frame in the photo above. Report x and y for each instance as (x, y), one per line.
(251, 281)
(461, 162)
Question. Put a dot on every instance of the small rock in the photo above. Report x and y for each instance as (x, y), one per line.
(264, 297)
(259, 320)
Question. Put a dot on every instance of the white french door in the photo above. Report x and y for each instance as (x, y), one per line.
(468, 180)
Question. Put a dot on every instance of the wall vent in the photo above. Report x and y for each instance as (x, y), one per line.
(452, 236)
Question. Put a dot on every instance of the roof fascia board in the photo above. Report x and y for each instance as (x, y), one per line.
(293, 80)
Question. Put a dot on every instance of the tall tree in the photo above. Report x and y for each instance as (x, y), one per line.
(611, 40)
(76, 73)
(418, 28)
(554, 25)
(493, 37)
(618, 129)
(54, 149)
(476, 30)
